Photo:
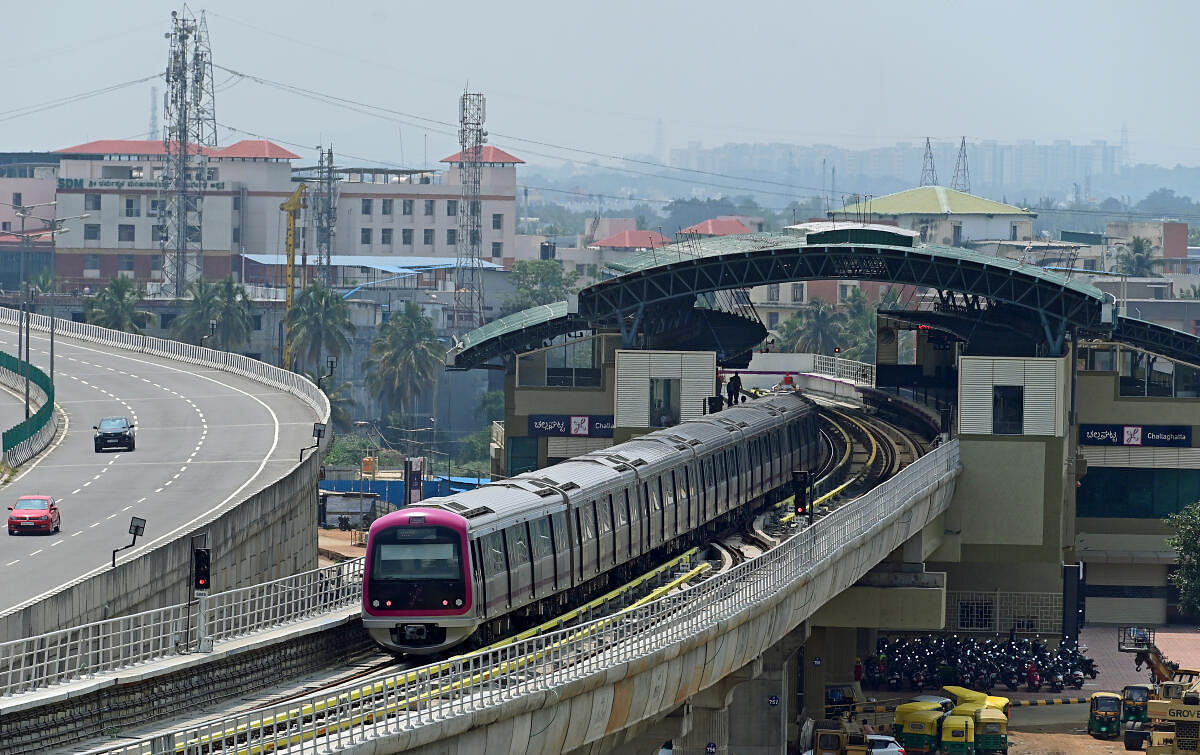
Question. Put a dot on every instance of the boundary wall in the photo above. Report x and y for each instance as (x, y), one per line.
(26, 439)
(267, 535)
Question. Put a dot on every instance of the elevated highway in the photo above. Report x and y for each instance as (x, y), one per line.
(204, 437)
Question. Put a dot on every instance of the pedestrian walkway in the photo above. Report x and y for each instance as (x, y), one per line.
(340, 545)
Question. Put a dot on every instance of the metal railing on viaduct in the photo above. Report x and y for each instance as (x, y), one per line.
(41, 639)
(583, 686)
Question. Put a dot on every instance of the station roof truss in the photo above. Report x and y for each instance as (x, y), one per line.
(648, 283)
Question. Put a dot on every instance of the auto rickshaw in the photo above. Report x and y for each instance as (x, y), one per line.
(923, 731)
(958, 735)
(904, 710)
(962, 695)
(991, 731)
(1002, 704)
(1134, 699)
(1104, 719)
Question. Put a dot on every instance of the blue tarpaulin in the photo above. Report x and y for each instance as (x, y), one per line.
(392, 491)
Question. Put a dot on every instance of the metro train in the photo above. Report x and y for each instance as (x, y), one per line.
(473, 567)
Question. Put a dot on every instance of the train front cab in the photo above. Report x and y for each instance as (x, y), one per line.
(417, 590)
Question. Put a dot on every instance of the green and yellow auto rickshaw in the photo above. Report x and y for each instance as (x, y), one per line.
(1134, 701)
(923, 731)
(1002, 704)
(1104, 718)
(991, 731)
(904, 710)
(958, 735)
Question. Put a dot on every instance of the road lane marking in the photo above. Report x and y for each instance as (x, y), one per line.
(10, 563)
(89, 482)
(127, 508)
(159, 490)
(111, 516)
(94, 524)
(76, 490)
(77, 534)
(56, 542)
(139, 500)
(39, 550)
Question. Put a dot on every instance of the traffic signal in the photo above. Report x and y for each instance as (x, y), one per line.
(201, 579)
(837, 349)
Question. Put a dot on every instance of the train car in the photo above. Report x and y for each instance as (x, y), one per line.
(471, 568)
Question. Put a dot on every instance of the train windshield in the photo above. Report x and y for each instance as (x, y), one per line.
(408, 553)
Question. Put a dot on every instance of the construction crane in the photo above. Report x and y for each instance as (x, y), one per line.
(292, 207)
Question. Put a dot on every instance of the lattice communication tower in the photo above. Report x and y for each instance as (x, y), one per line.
(324, 213)
(468, 288)
(190, 126)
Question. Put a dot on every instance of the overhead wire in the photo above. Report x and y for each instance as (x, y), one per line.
(8, 115)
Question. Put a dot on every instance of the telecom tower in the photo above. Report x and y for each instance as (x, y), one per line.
(962, 177)
(928, 174)
(190, 127)
(324, 213)
(468, 288)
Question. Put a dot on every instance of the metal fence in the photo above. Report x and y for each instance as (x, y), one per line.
(844, 369)
(999, 612)
(430, 695)
(84, 652)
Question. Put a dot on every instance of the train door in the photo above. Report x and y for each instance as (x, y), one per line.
(654, 511)
(666, 484)
(542, 550)
(480, 583)
(722, 477)
(701, 482)
(637, 523)
(622, 531)
(686, 499)
(731, 470)
(562, 550)
(519, 566)
(495, 574)
(585, 517)
(604, 531)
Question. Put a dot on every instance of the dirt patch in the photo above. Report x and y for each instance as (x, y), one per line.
(1061, 743)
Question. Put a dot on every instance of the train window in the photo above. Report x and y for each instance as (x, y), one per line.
(652, 499)
(587, 522)
(621, 509)
(667, 485)
(518, 548)
(539, 530)
(493, 546)
(604, 514)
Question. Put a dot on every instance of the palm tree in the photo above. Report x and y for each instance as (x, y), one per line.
(115, 306)
(405, 358)
(201, 308)
(43, 282)
(816, 328)
(234, 318)
(340, 401)
(1137, 260)
(319, 325)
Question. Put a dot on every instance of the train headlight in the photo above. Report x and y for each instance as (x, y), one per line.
(375, 604)
(445, 602)
(458, 601)
(388, 604)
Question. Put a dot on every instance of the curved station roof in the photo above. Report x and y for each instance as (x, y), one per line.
(647, 284)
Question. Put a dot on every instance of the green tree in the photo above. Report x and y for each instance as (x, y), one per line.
(226, 303)
(817, 329)
(539, 282)
(1137, 259)
(404, 359)
(235, 315)
(1185, 539)
(319, 324)
(116, 306)
(490, 407)
(198, 310)
(43, 281)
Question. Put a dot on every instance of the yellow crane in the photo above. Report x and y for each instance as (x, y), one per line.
(292, 207)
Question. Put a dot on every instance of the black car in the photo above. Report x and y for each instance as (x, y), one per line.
(114, 432)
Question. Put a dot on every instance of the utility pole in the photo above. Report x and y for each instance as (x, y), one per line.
(190, 130)
(325, 199)
(962, 177)
(468, 289)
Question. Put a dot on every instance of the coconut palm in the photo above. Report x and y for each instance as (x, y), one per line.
(817, 328)
(341, 404)
(1137, 260)
(235, 319)
(405, 358)
(198, 310)
(319, 325)
(115, 306)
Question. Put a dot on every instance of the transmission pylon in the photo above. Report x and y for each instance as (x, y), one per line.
(324, 214)
(962, 176)
(468, 288)
(190, 128)
(928, 173)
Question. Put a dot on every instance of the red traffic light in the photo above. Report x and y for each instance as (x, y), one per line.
(837, 349)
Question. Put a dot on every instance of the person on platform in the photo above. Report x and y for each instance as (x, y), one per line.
(788, 382)
(733, 388)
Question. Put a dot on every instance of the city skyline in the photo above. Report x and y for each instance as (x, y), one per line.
(555, 78)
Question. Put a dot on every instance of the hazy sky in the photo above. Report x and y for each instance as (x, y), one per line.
(599, 76)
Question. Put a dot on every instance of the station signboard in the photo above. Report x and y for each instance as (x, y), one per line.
(1172, 436)
(571, 425)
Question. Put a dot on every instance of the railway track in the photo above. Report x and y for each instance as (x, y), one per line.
(861, 452)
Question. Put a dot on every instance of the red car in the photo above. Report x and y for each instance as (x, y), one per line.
(34, 513)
